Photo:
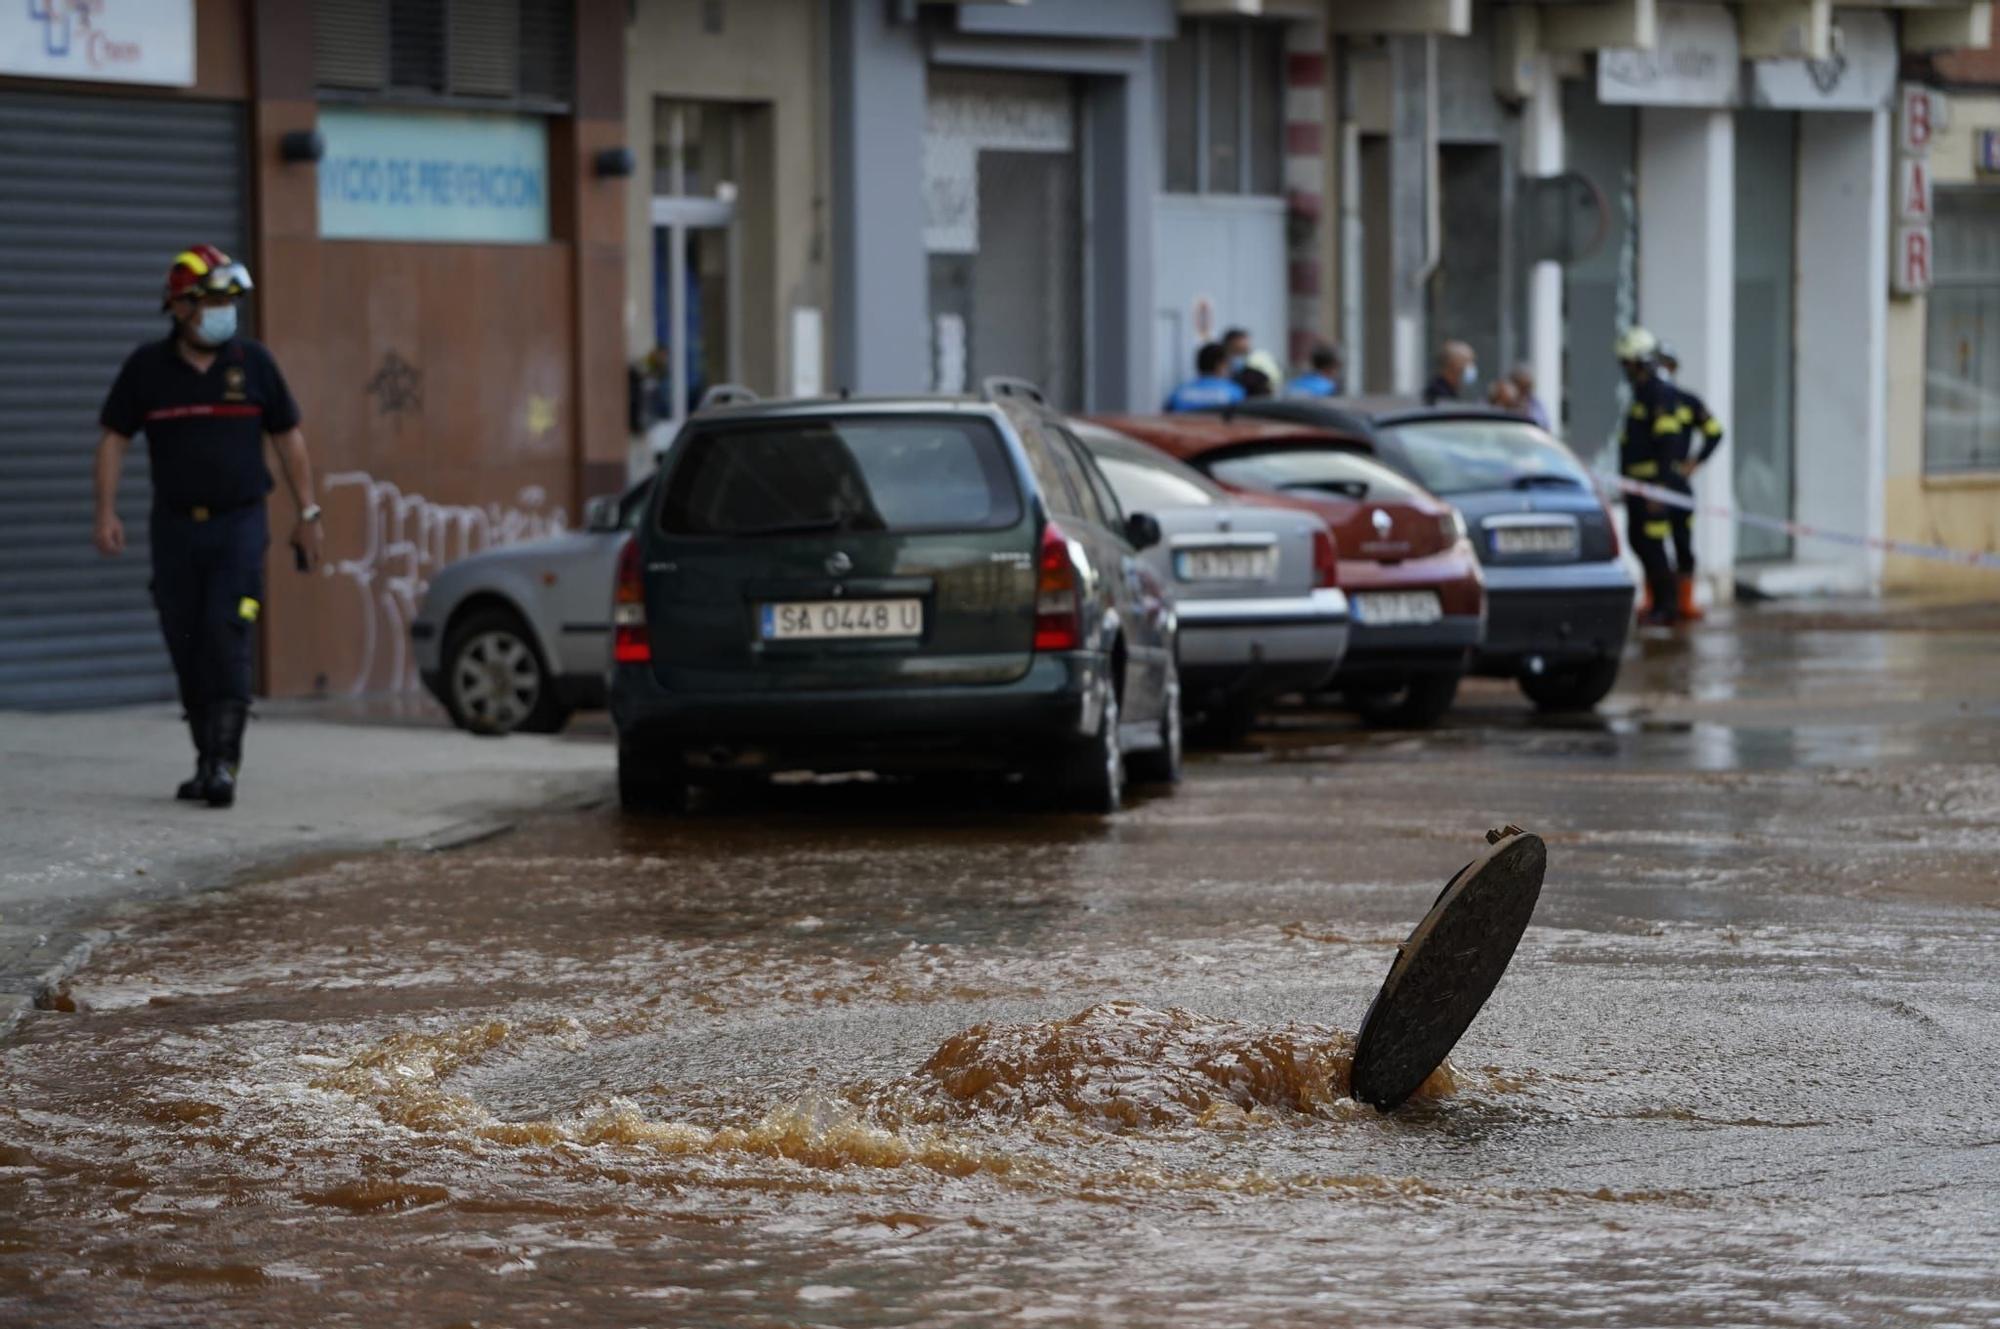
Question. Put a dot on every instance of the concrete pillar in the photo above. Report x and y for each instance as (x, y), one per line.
(1413, 115)
(1687, 284)
(881, 285)
(1542, 154)
(1840, 457)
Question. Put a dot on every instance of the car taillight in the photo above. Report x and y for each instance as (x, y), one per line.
(630, 642)
(1326, 560)
(1058, 601)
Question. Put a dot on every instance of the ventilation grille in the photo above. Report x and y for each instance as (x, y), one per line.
(478, 52)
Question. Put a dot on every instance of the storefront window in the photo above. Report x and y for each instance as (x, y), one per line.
(1962, 342)
(1222, 112)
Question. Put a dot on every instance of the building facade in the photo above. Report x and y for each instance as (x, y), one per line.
(438, 247)
(1531, 178)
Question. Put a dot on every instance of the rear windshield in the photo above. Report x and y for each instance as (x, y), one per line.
(1145, 480)
(1311, 472)
(1460, 456)
(797, 477)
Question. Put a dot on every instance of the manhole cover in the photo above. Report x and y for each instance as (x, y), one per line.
(1448, 968)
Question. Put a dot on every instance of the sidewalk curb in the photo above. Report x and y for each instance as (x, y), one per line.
(28, 975)
(45, 965)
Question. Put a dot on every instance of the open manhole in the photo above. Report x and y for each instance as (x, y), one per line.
(1448, 967)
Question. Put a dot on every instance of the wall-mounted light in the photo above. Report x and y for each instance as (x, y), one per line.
(302, 145)
(614, 163)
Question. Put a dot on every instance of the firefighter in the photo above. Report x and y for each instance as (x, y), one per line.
(1700, 436)
(1648, 448)
(206, 399)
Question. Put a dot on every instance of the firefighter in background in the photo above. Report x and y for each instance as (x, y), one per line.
(1701, 435)
(1649, 447)
(206, 399)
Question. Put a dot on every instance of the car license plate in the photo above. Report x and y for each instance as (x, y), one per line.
(1227, 564)
(825, 620)
(1551, 539)
(1389, 608)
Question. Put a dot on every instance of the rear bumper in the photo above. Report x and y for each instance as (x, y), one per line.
(1580, 611)
(1255, 648)
(1052, 705)
(1386, 654)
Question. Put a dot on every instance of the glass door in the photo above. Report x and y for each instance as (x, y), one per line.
(696, 266)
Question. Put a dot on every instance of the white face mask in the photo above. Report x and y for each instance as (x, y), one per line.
(1471, 375)
(216, 325)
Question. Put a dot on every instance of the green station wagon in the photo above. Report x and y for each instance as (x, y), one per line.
(892, 585)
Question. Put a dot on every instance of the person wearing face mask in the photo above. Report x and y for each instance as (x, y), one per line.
(206, 399)
(1457, 373)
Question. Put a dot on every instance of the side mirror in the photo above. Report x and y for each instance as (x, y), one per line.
(601, 513)
(1142, 530)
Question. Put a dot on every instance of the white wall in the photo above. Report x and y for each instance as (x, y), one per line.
(1841, 373)
(1687, 283)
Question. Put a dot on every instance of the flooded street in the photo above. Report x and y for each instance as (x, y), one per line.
(860, 1054)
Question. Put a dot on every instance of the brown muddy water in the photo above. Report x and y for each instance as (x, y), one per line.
(868, 1055)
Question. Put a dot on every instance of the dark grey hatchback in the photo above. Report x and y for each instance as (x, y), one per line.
(891, 585)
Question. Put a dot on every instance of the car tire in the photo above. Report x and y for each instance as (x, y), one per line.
(1573, 687)
(495, 680)
(1420, 703)
(650, 782)
(1091, 777)
(1162, 765)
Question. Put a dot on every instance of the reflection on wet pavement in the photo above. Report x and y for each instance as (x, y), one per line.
(872, 1055)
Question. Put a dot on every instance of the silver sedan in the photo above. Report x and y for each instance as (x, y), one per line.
(1254, 587)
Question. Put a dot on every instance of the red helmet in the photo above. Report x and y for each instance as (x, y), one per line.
(204, 270)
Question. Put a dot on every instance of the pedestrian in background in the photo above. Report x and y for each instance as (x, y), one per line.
(206, 399)
(1210, 387)
(1261, 376)
(1505, 396)
(1523, 379)
(1324, 378)
(1457, 373)
(1700, 435)
(1236, 352)
(1647, 450)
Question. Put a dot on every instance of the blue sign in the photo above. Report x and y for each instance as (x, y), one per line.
(473, 177)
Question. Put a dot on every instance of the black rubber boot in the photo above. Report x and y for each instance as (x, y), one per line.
(194, 790)
(226, 720)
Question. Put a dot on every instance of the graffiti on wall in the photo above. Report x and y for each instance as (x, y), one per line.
(397, 387)
(387, 554)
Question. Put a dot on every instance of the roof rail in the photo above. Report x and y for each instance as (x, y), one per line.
(726, 394)
(999, 385)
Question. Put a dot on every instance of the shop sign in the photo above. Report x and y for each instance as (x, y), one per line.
(1913, 190)
(1919, 117)
(1860, 75)
(1697, 61)
(469, 177)
(103, 41)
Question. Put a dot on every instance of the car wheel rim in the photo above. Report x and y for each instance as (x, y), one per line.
(497, 680)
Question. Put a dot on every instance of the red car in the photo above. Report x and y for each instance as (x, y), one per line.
(1411, 577)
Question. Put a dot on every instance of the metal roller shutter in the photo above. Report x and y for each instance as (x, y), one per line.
(100, 194)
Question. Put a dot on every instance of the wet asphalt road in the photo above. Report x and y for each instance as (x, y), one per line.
(870, 1055)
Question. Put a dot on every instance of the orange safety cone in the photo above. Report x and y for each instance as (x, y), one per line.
(1690, 611)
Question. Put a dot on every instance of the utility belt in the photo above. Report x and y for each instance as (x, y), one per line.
(200, 512)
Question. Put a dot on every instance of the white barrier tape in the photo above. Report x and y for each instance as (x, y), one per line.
(1674, 498)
